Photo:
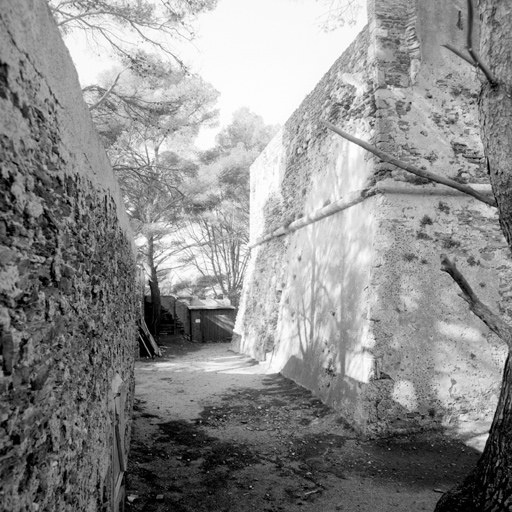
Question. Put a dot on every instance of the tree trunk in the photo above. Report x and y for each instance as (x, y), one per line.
(496, 105)
(489, 487)
(154, 289)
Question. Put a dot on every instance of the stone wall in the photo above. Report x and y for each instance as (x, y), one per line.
(68, 303)
(354, 306)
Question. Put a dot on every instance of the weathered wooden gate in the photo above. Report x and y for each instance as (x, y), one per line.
(212, 324)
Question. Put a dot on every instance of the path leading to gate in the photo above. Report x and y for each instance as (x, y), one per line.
(215, 431)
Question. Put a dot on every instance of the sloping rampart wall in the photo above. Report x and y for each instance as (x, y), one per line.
(68, 303)
(354, 306)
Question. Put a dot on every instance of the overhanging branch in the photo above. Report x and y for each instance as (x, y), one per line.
(476, 58)
(491, 319)
(411, 168)
(469, 60)
(107, 93)
(473, 59)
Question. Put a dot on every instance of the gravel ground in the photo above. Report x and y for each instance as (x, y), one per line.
(215, 431)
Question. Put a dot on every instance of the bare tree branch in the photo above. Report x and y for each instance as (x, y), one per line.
(339, 13)
(155, 24)
(108, 91)
(459, 54)
(474, 58)
(411, 168)
(491, 319)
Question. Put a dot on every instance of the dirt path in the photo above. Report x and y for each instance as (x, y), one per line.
(214, 431)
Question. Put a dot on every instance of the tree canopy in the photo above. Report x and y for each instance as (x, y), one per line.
(339, 13)
(148, 125)
(215, 235)
(122, 26)
(152, 110)
(148, 110)
(247, 129)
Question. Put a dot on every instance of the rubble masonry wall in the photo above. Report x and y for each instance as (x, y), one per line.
(354, 306)
(67, 278)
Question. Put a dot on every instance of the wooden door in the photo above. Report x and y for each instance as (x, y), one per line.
(218, 324)
(196, 319)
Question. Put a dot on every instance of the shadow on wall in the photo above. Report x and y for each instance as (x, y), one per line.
(443, 363)
(324, 338)
(354, 307)
(380, 336)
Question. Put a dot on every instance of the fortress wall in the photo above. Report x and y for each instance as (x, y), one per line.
(441, 365)
(68, 302)
(301, 170)
(354, 306)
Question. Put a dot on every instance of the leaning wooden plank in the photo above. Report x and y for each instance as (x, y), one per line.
(156, 348)
(144, 327)
(118, 492)
(120, 448)
(141, 339)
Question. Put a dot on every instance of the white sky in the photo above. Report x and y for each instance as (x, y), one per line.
(264, 54)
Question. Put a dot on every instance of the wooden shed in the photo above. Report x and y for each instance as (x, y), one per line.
(211, 320)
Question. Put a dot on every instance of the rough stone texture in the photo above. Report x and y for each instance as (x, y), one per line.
(68, 302)
(354, 307)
